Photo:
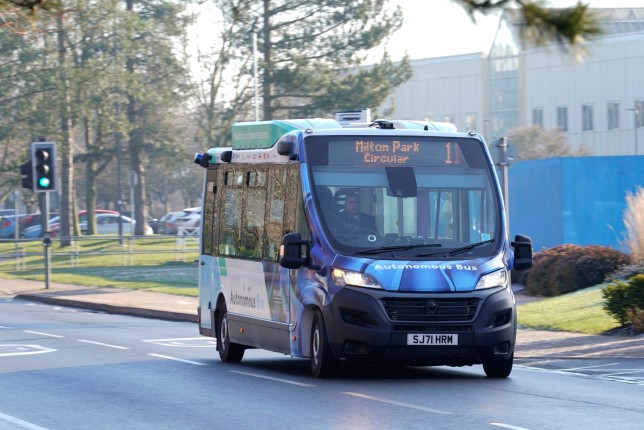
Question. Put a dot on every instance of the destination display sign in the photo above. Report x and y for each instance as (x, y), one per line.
(394, 152)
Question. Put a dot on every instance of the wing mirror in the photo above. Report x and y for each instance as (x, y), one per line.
(522, 252)
(294, 252)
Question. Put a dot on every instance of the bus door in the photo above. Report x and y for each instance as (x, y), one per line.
(208, 277)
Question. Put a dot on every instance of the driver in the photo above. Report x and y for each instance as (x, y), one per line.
(354, 218)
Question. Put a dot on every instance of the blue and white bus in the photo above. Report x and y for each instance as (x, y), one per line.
(385, 242)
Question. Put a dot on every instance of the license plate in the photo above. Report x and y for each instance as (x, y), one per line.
(432, 339)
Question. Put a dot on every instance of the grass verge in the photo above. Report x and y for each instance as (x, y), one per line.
(162, 264)
(580, 312)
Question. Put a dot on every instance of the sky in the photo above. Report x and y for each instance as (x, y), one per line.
(439, 28)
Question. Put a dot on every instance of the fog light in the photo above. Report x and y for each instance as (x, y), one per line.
(502, 348)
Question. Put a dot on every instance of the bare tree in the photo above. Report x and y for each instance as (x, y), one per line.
(534, 142)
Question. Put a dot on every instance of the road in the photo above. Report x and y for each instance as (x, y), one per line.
(63, 368)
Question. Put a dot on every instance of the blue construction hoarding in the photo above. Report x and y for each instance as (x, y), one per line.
(578, 200)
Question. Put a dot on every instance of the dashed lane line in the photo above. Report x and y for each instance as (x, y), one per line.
(43, 334)
(20, 423)
(285, 381)
(167, 357)
(102, 344)
(394, 402)
(507, 426)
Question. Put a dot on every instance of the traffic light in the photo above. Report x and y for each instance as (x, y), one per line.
(43, 160)
(27, 173)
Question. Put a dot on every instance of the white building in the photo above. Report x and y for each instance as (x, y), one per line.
(595, 96)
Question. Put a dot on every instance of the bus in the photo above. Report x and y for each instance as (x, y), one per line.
(383, 242)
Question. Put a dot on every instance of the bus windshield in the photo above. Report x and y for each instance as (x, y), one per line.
(405, 194)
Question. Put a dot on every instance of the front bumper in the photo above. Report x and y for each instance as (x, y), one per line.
(372, 325)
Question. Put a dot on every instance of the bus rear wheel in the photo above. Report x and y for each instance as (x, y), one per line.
(499, 368)
(229, 352)
(323, 363)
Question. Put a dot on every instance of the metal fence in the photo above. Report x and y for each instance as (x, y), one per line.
(26, 252)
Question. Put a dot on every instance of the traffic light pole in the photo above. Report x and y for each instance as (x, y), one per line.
(504, 163)
(43, 200)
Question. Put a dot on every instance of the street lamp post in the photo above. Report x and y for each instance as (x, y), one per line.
(255, 85)
(253, 32)
(636, 113)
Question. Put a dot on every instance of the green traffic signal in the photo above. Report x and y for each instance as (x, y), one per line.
(43, 182)
(43, 161)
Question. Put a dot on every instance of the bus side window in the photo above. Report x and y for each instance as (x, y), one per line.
(231, 212)
(254, 204)
(274, 220)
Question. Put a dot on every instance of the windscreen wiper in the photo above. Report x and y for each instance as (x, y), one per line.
(459, 250)
(396, 248)
(468, 247)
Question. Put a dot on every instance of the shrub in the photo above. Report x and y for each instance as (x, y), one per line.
(566, 268)
(625, 300)
(636, 316)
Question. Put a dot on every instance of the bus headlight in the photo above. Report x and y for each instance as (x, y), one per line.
(347, 277)
(498, 278)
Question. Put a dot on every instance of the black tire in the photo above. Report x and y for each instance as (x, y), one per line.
(229, 352)
(323, 363)
(499, 368)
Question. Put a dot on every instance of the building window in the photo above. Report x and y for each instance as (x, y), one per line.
(587, 118)
(537, 116)
(562, 118)
(639, 113)
(470, 121)
(613, 115)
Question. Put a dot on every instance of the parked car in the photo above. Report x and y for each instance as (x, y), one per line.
(152, 222)
(8, 226)
(167, 223)
(31, 220)
(54, 224)
(190, 219)
(5, 212)
(109, 224)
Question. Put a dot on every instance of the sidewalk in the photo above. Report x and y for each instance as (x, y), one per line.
(531, 344)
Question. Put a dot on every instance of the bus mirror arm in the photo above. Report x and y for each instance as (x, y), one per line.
(294, 252)
(522, 252)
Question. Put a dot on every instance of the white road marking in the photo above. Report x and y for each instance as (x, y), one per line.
(507, 426)
(17, 421)
(9, 350)
(4, 326)
(102, 344)
(638, 381)
(178, 359)
(185, 342)
(286, 381)
(43, 334)
(394, 402)
(589, 367)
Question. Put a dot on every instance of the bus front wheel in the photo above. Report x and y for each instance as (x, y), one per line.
(229, 352)
(323, 363)
(499, 368)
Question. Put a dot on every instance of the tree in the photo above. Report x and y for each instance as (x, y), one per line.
(568, 27)
(311, 49)
(155, 84)
(534, 142)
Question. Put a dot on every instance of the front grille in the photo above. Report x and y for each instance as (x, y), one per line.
(415, 328)
(430, 309)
